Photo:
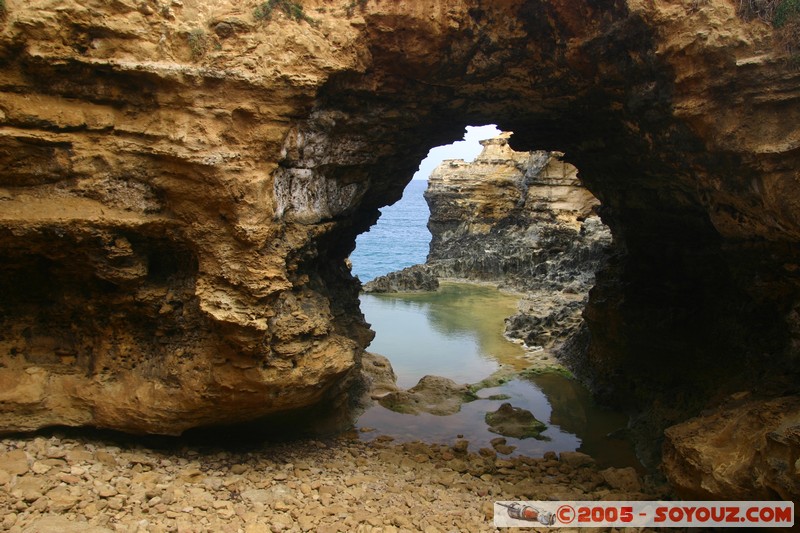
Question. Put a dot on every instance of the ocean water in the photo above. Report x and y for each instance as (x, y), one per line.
(399, 239)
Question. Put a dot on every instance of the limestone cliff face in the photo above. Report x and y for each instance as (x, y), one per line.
(522, 220)
(510, 216)
(183, 182)
(150, 281)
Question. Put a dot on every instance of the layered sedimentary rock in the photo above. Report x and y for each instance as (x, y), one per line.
(195, 159)
(522, 220)
(149, 280)
(515, 217)
(746, 449)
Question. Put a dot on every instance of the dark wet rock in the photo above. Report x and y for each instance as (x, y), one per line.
(525, 221)
(515, 422)
(505, 449)
(547, 318)
(624, 479)
(417, 278)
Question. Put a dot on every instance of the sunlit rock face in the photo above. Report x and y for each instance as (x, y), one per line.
(181, 186)
(747, 448)
(513, 217)
(524, 221)
(151, 278)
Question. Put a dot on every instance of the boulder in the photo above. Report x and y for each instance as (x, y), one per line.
(622, 479)
(746, 451)
(417, 278)
(515, 422)
(379, 373)
(432, 394)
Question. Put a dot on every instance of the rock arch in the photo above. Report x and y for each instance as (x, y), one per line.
(640, 101)
(260, 157)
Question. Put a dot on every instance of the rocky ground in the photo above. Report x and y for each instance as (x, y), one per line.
(67, 483)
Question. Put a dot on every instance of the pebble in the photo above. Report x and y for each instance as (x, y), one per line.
(461, 446)
(87, 485)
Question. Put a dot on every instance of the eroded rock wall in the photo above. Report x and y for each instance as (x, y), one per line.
(150, 282)
(745, 449)
(161, 154)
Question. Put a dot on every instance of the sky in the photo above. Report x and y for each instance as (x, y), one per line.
(468, 149)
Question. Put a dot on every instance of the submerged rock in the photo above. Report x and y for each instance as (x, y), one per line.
(515, 422)
(433, 394)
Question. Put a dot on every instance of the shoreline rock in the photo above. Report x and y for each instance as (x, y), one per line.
(510, 421)
(379, 374)
(432, 394)
(521, 221)
(416, 278)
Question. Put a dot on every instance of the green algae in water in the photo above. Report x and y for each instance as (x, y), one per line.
(456, 332)
(559, 370)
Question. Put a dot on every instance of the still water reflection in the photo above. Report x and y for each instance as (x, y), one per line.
(457, 333)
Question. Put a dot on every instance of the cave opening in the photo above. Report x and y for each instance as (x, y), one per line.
(268, 162)
(515, 241)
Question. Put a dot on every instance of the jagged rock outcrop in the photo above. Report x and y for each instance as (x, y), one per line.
(522, 220)
(192, 158)
(416, 278)
(516, 218)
